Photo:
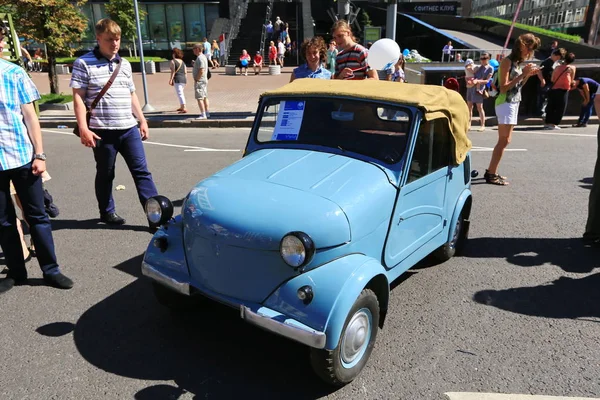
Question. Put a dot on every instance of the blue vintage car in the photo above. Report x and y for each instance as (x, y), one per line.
(343, 186)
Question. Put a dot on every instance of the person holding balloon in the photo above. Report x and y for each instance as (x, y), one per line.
(315, 53)
(512, 76)
(243, 62)
(351, 61)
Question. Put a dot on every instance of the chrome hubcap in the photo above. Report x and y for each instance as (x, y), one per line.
(356, 336)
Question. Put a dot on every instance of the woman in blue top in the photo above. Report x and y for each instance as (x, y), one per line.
(315, 53)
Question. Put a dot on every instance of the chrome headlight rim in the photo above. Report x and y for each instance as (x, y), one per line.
(307, 243)
(164, 207)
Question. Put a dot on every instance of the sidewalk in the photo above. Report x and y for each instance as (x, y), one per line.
(233, 101)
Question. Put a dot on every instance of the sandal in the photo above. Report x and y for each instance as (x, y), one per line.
(495, 179)
(487, 173)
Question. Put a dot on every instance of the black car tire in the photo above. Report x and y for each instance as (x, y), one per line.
(455, 245)
(328, 364)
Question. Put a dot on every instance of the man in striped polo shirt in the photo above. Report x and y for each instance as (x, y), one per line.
(22, 161)
(112, 128)
(351, 61)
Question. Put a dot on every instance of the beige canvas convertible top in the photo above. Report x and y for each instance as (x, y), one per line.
(435, 101)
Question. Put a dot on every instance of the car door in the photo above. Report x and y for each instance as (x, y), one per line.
(419, 212)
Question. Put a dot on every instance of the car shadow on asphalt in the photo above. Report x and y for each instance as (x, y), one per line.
(209, 352)
(562, 298)
(566, 253)
(58, 224)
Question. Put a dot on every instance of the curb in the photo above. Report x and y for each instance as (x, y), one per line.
(56, 107)
(244, 123)
(248, 122)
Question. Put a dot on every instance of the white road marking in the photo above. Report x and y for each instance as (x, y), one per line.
(188, 148)
(477, 148)
(560, 134)
(499, 396)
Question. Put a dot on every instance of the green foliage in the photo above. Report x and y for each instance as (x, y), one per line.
(365, 19)
(123, 13)
(53, 98)
(70, 60)
(535, 29)
(56, 23)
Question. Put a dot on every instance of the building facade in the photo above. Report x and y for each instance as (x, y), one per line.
(168, 24)
(569, 16)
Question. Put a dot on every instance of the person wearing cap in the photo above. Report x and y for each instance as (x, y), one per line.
(257, 63)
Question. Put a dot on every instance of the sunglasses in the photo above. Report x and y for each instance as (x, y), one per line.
(483, 58)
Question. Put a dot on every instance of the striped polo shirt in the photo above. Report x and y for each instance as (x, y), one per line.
(354, 58)
(91, 71)
(16, 89)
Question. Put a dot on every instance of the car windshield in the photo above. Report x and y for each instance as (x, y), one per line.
(372, 129)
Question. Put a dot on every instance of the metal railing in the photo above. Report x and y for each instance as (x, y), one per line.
(461, 55)
(263, 34)
(239, 12)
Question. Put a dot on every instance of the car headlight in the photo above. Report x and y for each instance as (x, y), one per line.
(159, 210)
(297, 249)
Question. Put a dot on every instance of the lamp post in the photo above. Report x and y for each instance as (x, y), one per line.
(392, 15)
(512, 26)
(147, 106)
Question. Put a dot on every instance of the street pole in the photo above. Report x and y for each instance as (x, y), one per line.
(392, 15)
(147, 106)
(512, 26)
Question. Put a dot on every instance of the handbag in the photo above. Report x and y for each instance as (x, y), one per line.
(88, 111)
(208, 74)
(177, 70)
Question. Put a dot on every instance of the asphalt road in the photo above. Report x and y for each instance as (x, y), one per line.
(518, 313)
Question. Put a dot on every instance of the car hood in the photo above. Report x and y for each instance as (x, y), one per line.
(257, 200)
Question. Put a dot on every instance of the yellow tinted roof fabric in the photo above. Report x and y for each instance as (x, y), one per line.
(435, 101)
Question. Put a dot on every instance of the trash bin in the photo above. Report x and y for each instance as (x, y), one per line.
(150, 67)
(274, 70)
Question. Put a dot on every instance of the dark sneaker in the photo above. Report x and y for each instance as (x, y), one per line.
(112, 219)
(6, 284)
(58, 281)
(9, 282)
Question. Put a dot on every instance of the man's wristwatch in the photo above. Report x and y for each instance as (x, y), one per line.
(41, 156)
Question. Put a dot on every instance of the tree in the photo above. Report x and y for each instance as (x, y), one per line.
(123, 13)
(58, 24)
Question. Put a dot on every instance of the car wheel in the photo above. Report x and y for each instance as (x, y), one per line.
(340, 366)
(171, 299)
(456, 242)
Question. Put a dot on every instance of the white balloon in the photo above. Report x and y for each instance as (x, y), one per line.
(383, 54)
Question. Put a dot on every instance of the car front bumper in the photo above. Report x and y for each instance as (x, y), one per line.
(263, 317)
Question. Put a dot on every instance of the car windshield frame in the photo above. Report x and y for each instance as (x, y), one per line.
(381, 151)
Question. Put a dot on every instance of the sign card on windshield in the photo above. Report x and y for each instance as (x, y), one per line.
(289, 120)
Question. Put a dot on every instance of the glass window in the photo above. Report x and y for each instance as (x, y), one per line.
(99, 12)
(195, 23)
(536, 20)
(374, 130)
(86, 10)
(157, 27)
(211, 12)
(568, 16)
(432, 149)
(560, 17)
(579, 15)
(175, 24)
(544, 19)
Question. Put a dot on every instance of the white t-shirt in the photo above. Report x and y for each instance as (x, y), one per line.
(280, 48)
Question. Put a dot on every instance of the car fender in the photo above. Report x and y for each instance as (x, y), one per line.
(336, 286)
(170, 260)
(464, 200)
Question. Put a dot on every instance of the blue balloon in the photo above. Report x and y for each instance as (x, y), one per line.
(406, 52)
(245, 62)
(494, 63)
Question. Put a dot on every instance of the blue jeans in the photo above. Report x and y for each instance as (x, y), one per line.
(31, 194)
(587, 111)
(129, 143)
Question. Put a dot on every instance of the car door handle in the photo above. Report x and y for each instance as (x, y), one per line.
(400, 220)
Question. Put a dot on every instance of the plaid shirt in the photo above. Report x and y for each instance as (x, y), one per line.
(16, 88)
